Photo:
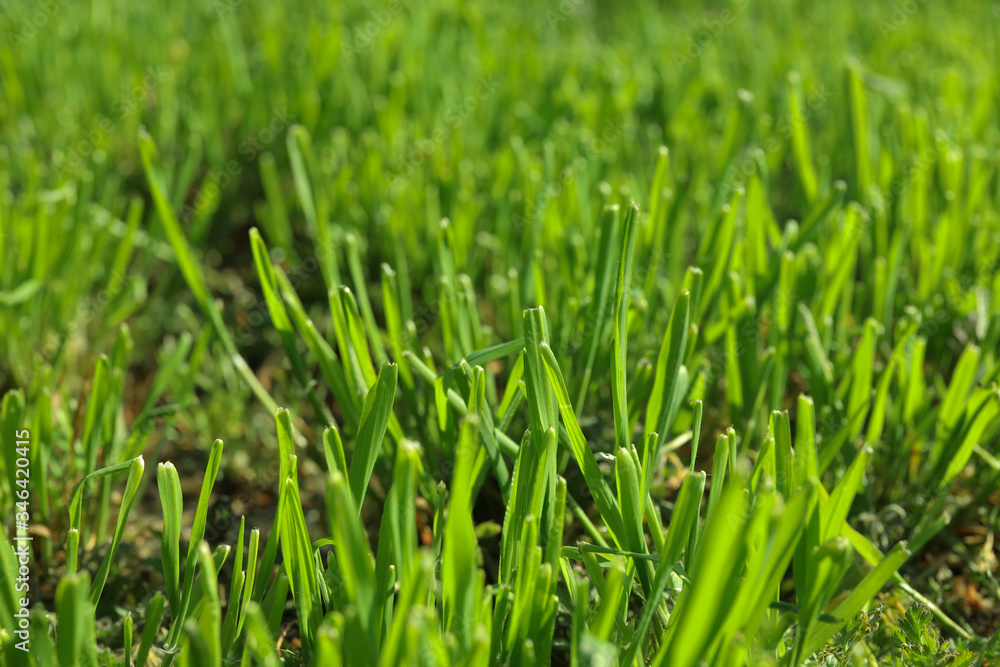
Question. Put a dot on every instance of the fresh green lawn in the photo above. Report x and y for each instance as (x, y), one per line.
(573, 333)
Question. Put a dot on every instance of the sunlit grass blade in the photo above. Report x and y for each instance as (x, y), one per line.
(136, 468)
(191, 270)
(211, 615)
(354, 559)
(660, 410)
(600, 300)
(74, 643)
(279, 316)
(458, 570)
(619, 330)
(197, 535)
(863, 592)
(704, 604)
(606, 503)
(303, 579)
(684, 519)
(371, 431)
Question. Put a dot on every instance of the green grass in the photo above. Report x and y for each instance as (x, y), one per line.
(572, 335)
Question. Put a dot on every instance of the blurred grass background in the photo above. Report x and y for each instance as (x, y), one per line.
(391, 96)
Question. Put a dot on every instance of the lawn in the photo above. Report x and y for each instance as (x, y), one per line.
(468, 333)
